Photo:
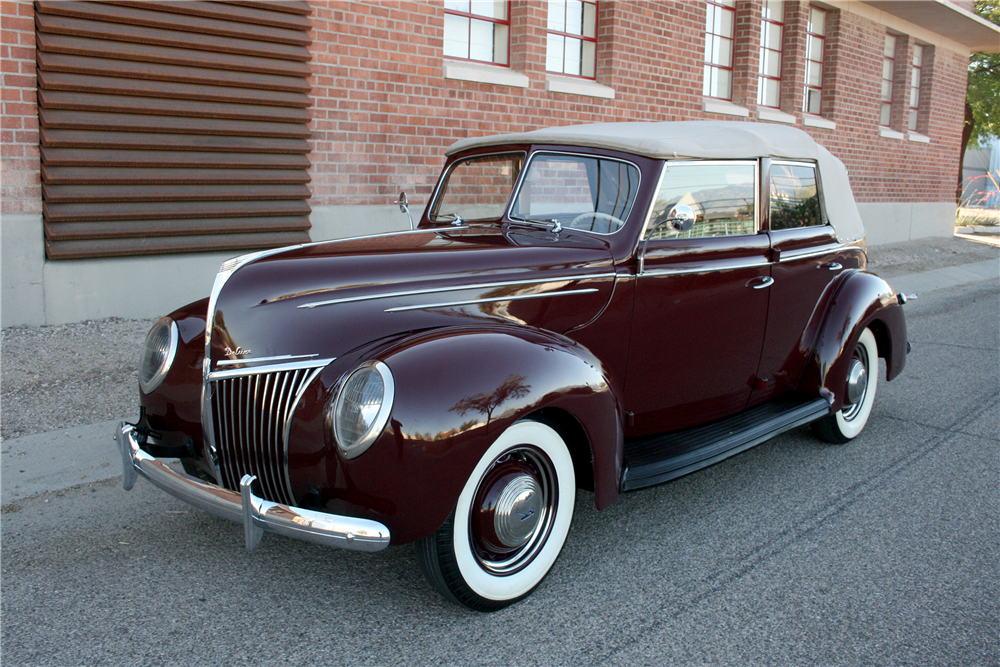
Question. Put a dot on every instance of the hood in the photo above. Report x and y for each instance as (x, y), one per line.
(323, 300)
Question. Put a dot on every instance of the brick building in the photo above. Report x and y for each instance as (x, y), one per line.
(144, 143)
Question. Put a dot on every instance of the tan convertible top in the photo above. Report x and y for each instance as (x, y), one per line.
(706, 140)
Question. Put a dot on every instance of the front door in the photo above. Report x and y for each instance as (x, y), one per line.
(701, 299)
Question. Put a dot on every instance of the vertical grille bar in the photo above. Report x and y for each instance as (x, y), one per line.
(250, 414)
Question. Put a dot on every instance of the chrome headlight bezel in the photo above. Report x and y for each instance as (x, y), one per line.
(335, 410)
(166, 356)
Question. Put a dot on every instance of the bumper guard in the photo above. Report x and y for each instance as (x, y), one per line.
(256, 514)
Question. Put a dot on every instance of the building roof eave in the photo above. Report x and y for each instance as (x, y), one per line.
(946, 19)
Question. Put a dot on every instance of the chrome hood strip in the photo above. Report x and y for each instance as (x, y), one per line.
(455, 288)
(468, 302)
(257, 360)
(272, 368)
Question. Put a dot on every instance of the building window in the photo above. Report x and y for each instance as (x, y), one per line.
(888, 71)
(915, 72)
(815, 43)
(572, 38)
(477, 30)
(772, 29)
(720, 26)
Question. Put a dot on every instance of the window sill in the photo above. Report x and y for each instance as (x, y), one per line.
(767, 113)
(922, 138)
(810, 120)
(725, 108)
(890, 134)
(482, 73)
(573, 86)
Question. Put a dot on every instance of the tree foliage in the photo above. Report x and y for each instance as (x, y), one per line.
(984, 82)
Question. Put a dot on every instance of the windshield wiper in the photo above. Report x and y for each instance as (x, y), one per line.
(553, 225)
(453, 218)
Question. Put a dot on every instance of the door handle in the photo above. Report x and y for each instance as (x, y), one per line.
(831, 266)
(766, 281)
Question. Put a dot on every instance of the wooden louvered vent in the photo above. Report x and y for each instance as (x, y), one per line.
(172, 126)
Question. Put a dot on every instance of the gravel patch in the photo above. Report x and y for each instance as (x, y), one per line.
(56, 377)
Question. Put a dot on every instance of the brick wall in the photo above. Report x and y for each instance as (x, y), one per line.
(384, 113)
(21, 190)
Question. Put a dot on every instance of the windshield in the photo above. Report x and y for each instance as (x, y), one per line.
(576, 191)
(477, 188)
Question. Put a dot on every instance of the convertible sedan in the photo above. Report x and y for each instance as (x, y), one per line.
(604, 307)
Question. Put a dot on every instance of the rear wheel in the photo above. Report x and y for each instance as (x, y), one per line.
(859, 394)
(509, 524)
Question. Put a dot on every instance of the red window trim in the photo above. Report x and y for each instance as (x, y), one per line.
(781, 56)
(920, 80)
(821, 61)
(490, 19)
(891, 81)
(732, 53)
(583, 38)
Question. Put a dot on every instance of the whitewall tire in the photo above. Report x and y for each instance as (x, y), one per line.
(859, 394)
(510, 522)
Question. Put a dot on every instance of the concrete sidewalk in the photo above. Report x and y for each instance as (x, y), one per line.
(57, 460)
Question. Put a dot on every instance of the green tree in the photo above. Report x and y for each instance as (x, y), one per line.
(982, 100)
(984, 82)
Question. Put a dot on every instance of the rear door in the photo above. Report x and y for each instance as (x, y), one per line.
(807, 258)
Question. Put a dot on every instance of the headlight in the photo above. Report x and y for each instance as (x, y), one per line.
(362, 408)
(157, 354)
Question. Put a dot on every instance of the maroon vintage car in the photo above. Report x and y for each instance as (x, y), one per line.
(603, 307)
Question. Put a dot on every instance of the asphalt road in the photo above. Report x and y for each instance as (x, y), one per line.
(881, 552)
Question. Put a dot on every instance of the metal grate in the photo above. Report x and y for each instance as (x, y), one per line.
(250, 414)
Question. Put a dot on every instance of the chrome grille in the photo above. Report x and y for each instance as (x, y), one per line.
(251, 415)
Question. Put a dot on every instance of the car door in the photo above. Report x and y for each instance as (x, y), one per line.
(806, 259)
(701, 298)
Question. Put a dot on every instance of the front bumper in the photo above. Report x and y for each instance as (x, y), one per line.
(255, 513)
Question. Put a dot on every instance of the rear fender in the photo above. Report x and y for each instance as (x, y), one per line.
(863, 300)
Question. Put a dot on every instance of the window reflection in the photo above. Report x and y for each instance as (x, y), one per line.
(794, 196)
(721, 196)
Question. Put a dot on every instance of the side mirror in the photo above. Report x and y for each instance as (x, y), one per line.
(404, 207)
(681, 217)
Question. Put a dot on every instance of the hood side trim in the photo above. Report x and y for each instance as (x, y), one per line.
(456, 288)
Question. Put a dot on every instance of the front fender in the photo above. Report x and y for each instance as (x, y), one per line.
(456, 390)
(863, 300)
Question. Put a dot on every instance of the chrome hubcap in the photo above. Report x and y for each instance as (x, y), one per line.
(514, 510)
(857, 383)
(857, 380)
(516, 515)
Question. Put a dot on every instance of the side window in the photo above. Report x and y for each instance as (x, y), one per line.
(794, 196)
(721, 196)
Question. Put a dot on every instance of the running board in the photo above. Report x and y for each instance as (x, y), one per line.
(660, 458)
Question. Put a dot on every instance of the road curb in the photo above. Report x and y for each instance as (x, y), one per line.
(57, 460)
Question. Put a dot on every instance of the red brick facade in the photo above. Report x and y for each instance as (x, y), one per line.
(384, 111)
(21, 191)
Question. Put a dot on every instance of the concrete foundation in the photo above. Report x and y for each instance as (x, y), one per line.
(893, 222)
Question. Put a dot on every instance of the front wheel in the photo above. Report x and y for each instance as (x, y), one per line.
(510, 522)
(859, 394)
